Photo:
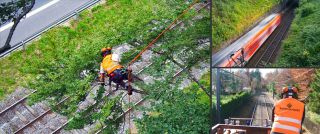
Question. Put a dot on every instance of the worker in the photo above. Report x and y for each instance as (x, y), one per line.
(111, 67)
(288, 113)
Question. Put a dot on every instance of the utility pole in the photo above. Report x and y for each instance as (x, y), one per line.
(211, 94)
(218, 88)
(273, 88)
(211, 73)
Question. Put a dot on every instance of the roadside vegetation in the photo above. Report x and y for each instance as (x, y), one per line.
(232, 17)
(314, 99)
(237, 88)
(301, 48)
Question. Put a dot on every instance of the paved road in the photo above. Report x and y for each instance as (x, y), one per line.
(224, 54)
(43, 13)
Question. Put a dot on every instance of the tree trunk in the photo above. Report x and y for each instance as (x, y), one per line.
(13, 28)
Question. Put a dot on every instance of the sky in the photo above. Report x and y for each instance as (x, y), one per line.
(263, 71)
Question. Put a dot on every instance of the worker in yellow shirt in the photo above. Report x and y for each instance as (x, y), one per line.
(111, 67)
(288, 113)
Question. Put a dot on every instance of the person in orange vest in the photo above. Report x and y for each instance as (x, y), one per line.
(111, 67)
(288, 113)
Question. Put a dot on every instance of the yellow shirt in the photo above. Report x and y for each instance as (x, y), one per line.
(108, 65)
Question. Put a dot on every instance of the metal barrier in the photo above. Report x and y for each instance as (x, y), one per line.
(58, 22)
(224, 128)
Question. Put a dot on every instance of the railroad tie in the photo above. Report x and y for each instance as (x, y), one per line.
(31, 110)
(21, 117)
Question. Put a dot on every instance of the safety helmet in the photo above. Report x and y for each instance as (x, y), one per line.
(105, 51)
(289, 91)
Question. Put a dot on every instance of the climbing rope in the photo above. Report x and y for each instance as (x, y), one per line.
(146, 48)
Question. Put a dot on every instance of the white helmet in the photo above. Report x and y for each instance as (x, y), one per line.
(115, 57)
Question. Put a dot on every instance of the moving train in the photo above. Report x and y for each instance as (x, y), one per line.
(252, 41)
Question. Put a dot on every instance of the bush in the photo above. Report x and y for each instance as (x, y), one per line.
(301, 48)
(178, 111)
(314, 99)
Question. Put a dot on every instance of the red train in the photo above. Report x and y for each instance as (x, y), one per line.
(252, 41)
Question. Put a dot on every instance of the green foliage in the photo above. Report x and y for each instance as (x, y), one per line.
(271, 87)
(93, 113)
(11, 9)
(256, 74)
(231, 103)
(232, 17)
(314, 100)
(301, 48)
(313, 117)
(229, 81)
(1, 92)
(177, 111)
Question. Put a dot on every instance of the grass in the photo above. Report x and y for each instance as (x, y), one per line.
(314, 117)
(232, 17)
(302, 46)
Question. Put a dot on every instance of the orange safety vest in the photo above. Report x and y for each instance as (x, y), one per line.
(109, 65)
(288, 116)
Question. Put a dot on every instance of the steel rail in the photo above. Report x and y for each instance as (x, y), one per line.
(275, 43)
(107, 95)
(129, 109)
(51, 25)
(38, 117)
(16, 103)
(279, 41)
(253, 113)
(267, 107)
(137, 103)
(56, 131)
(261, 60)
(265, 56)
(283, 34)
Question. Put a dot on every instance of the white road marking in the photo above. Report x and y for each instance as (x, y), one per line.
(30, 14)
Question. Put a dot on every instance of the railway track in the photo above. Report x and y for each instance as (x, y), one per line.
(261, 115)
(138, 103)
(29, 127)
(60, 128)
(270, 49)
(21, 118)
(141, 101)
